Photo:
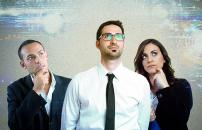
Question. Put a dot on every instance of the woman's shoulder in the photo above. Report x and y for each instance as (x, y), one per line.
(181, 83)
(180, 80)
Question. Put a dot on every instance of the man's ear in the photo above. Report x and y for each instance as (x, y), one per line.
(22, 64)
(97, 44)
(46, 54)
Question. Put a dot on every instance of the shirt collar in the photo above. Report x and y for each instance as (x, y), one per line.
(116, 72)
(53, 82)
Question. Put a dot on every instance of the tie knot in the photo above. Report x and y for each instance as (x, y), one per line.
(110, 76)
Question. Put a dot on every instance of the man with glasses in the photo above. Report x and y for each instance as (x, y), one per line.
(107, 96)
(35, 101)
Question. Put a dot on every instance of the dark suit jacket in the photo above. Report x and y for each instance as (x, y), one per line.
(175, 103)
(26, 109)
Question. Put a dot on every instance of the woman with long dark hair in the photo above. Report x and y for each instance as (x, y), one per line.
(171, 97)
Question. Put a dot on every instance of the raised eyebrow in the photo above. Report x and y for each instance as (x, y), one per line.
(144, 54)
(30, 55)
(154, 51)
(41, 51)
(106, 33)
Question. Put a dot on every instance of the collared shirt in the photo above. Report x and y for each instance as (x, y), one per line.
(154, 101)
(48, 97)
(85, 100)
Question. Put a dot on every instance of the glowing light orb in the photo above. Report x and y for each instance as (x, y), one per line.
(52, 23)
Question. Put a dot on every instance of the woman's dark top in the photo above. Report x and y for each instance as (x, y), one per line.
(175, 103)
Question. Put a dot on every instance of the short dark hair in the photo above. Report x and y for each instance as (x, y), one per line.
(111, 22)
(167, 68)
(26, 42)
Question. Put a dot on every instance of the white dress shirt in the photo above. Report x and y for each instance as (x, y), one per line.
(85, 100)
(48, 97)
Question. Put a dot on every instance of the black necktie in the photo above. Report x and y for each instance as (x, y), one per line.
(110, 104)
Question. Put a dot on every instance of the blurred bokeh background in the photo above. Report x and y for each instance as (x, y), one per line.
(68, 28)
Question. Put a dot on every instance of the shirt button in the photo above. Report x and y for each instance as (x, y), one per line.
(160, 95)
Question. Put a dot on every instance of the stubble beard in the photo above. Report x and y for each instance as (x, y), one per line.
(112, 55)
